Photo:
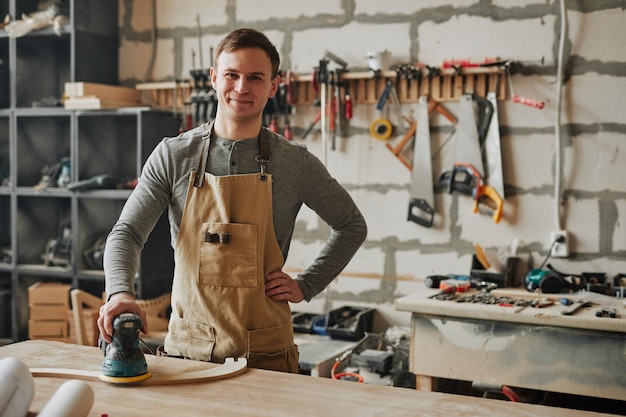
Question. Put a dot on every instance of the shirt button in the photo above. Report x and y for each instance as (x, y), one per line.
(233, 163)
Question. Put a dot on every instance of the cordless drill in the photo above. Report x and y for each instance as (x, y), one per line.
(124, 361)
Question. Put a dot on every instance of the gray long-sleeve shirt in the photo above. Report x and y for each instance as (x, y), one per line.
(298, 178)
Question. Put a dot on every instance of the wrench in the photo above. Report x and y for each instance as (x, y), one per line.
(574, 308)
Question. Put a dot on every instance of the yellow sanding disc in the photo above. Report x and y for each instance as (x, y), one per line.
(381, 129)
(124, 380)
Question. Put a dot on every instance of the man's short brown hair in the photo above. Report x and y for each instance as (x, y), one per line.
(249, 38)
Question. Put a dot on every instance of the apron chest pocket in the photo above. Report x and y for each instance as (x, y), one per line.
(228, 255)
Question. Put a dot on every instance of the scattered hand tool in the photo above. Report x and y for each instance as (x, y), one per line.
(576, 307)
(446, 293)
(322, 78)
(288, 102)
(347, 101)
(381, 128)
(422, 202)
(312, 125)
(606, 312)
(522, 305)
(520, 99)
(541, 302)
(334, 110)
(397, 149)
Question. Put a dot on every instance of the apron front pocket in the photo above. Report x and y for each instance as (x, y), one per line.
(273, 349)
(228, 255)
(189, 339)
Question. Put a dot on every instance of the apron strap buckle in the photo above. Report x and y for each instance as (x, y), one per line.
(263, 161)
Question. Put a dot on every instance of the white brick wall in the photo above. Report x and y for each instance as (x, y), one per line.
(478, 38)
(594, 165)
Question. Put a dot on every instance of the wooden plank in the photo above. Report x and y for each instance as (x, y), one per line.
(103, 92)
(95, 103)
(229, 368)
(253, 393)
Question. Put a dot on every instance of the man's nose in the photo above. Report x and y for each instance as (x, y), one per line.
(241, 86)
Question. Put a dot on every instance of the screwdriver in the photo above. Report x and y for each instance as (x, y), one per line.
(312, 125)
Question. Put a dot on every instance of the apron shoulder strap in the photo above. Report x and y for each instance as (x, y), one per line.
(264, 152)
(204, 155)
(262, 158)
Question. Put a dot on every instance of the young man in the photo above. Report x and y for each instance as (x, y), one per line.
(233, 189)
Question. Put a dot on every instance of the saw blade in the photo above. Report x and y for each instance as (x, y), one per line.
(467, 142)
(493, 150)
(421, 207)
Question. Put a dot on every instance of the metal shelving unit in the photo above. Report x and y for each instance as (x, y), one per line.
(33, 70)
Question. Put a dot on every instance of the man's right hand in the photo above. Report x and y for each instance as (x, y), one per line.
(119, 303)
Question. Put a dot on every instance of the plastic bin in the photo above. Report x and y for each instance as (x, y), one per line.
(303, 322)
(349, 323)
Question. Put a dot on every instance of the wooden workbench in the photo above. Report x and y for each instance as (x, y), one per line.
(536, 348)
(254, 393)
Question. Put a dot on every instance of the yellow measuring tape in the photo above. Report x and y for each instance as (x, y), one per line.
(381, 129)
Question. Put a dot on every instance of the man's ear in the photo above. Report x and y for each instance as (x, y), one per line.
(212, 76)
(275, 85)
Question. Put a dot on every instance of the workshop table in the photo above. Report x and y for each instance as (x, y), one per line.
(536, 348)
(253, 393)
(318, 354)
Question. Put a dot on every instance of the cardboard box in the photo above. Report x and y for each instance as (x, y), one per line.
(48, 330)
(48, 303)
(48, 312)
(49, 293)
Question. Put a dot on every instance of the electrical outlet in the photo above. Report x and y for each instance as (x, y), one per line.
(560, 244)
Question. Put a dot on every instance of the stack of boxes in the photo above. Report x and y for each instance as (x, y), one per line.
(49, 304)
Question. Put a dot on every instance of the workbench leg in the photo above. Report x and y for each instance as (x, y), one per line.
(423, 383)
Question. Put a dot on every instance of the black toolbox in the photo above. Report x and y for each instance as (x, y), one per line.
(349, 323)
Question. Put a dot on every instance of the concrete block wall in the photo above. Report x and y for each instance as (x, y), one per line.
(157, 38)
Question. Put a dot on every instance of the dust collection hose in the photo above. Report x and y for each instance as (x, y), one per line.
(344, 375)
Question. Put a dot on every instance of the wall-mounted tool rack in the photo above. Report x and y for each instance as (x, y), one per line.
(365, 87)
(447, 84)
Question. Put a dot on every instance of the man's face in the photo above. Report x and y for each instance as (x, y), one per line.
(243, 82)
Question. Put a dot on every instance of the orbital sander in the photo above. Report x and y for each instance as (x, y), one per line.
(124, 362)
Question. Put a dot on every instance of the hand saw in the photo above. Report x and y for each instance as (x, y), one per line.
(468, 134)
(465, 179)
(493, 154)
(422, 203)
(472, 130)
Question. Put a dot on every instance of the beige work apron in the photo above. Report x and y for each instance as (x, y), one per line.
(225, 247)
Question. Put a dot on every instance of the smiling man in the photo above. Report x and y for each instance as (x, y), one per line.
(233, 190)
